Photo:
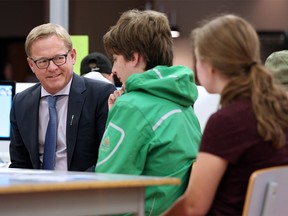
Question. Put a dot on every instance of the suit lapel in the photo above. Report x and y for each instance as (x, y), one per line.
(75, 104)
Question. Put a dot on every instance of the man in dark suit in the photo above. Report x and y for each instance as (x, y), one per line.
(81, 106)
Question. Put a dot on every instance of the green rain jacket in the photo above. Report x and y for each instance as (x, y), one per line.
(152, 130)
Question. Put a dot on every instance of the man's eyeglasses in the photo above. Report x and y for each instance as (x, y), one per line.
(44, 63)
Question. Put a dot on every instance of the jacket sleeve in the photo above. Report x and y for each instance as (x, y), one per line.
(19, 155)
(124, 146)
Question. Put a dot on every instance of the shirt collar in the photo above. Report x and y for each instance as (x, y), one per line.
(64, 91)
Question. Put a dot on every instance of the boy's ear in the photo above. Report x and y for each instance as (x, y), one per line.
(135, 58)
(139, 61)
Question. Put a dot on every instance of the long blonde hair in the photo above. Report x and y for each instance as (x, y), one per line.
(232, 46)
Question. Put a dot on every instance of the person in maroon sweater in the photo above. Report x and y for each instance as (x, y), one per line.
(247, 133)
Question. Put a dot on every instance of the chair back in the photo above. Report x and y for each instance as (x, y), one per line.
(267, 193)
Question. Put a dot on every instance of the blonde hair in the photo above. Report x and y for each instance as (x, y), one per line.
(44, 31)
(232, 46)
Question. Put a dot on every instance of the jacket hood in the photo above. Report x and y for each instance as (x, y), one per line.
(175, 83)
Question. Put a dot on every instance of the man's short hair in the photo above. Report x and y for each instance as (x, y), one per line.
(97, 62)
(277, 63)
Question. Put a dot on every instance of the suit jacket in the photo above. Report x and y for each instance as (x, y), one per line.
(87, 102)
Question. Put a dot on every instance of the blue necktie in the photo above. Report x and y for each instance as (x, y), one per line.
(51, 135)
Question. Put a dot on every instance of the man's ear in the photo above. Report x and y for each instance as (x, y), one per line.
(31, 64)
(73, 56)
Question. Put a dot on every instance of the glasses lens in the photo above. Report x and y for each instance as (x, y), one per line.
(42, 63)
(59, 60)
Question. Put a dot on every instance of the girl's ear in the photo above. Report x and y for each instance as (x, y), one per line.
(210, 68)
(213, 70)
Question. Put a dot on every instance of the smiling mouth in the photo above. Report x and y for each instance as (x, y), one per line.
(53, 76)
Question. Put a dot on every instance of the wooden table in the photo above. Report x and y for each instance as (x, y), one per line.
(53, 193)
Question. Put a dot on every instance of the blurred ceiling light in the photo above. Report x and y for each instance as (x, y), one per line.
(173, 24)
(175, 32)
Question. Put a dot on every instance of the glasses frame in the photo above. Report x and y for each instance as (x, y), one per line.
(50, 59)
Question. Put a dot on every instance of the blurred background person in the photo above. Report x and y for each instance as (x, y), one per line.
(277, 63)
(97, 66)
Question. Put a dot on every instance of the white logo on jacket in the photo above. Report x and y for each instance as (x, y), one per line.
(106, 144)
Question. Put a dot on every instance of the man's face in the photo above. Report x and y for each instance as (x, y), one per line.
(53, 78)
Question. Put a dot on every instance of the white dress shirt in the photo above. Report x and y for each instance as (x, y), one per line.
(61, 106)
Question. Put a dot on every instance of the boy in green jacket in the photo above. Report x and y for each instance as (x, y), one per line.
(151, 128)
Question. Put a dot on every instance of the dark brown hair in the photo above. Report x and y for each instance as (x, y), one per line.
(146, 32)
